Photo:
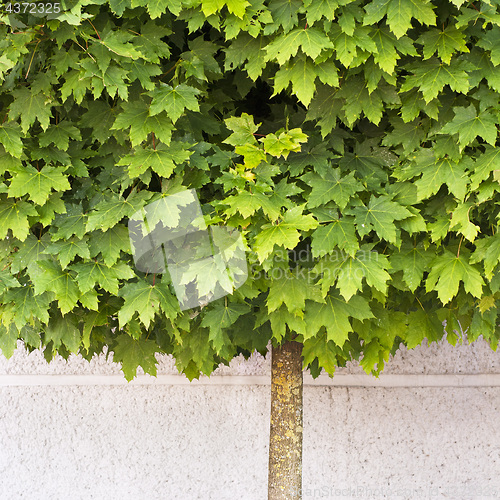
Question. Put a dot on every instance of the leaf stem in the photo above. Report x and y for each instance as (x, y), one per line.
(31, 61)
(459, 245)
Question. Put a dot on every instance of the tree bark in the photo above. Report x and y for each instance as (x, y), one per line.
(285, 440)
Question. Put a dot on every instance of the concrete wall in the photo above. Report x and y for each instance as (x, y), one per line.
(429, 428)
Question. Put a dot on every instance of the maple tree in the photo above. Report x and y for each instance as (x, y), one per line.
(352, 144)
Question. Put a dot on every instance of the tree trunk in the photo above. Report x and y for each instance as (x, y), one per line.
(285, 440)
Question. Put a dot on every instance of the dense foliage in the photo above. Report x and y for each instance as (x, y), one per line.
(352, 143)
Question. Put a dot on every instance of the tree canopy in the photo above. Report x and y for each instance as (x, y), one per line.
(352, 145)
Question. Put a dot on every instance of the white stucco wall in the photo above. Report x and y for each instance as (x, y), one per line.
(75, 430)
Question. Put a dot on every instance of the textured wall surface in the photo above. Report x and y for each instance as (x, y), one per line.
(204, 442)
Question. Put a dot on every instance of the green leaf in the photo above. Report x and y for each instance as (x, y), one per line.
(422, 325)
(14, 216)
(146, 300)
(317, 9)
(379, 216)
(10, 138)
(291, 291)
(435, 173)
(222, 316)
(323, 349)
(334, 315)
(117, 42)
(445, 43)
(468, 125)
(447, 271)
(30, 251)
(431, 77)
(491, 41)
(486, 163)
(312, 42)
(285, 233)
(301, 73)
(243, 128)
(96, 273)
(7, 281)
(70, 223)
(59, 135)
(49, 277)
(162, 160)
(247, 204)
(413, 261)
(26, 307)
(134, 353)
(30, 107)
(110, 244)
(8, 339)
(331, 187)
(340, 233)
(488, 251)
(38, 184)
(400, 14)
(107, 214)
(62, 330)
(67, 250)
(173, 100)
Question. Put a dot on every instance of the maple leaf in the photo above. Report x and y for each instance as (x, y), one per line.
(110, 244)
(107, 214)
(468, 124)
(431, 77)
(38, 184)
(301, 73)
(146, 300)
(59, 135)
(340, 233)
(162, 159)
(317, 9)
(173, 100)
(96, 273)
(331, 187)
(30, 251)
(30, 106)
(400, 14)
(334, 315)
(285, 233)
(491, 41)
(447, 271)
(293, 292)
(222, 316)
(311, 40)
(486, 163)
(445, 43)
(422, 325)
(322, 349)
(26, 306)
(62, 330)
(135, 115)
(247, 204)
(488, 252)
(379, 216)
(14, 216)
(413, 261)
(435, 173)
(49, 277)
(67, 250)
(10, 138)
(134, 353)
